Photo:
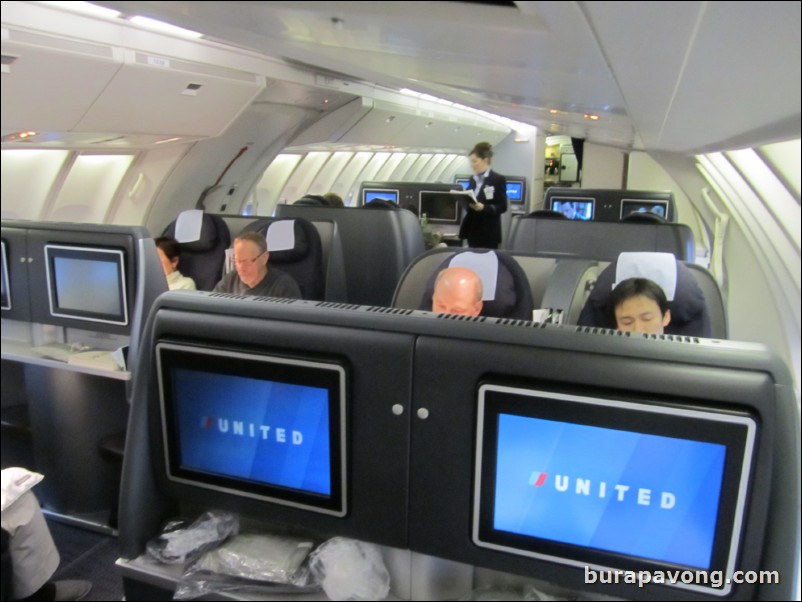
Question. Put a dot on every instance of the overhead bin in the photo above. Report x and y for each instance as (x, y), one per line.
(49, 83)
(54, 84)
(183, 98)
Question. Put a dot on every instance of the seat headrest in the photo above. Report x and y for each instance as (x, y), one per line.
(660, 268)
(287, 241)
(498, 283)
(486, 267)
(195, 230)
(644, 217)
(689, 313)
(381, 204)
(313, 200)
(547, 214)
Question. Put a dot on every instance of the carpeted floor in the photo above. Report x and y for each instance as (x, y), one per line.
(88, 555)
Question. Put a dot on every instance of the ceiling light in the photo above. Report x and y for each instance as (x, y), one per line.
(86, 8)
(162, 27)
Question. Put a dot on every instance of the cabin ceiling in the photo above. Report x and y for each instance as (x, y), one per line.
(669, 76)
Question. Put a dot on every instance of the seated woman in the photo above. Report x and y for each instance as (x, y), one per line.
(170, 255)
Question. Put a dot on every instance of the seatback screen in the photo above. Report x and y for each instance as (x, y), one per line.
(87, 283)
(586, 481)
(259, 426)
(574, 208)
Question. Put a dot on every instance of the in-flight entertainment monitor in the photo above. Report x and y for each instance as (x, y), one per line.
(629, 206)
(370, 194)
(464, 182)
(515, 191)
(258, 426)
(87, 283)
(579, 208)
(440, 207)
(5, 298)
(586, 481)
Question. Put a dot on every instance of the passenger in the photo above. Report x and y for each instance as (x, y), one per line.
(334, 199)
(29, 555)
(482, 223)
(457, 291)
(251, 276)
(640, 305)
(170, 255)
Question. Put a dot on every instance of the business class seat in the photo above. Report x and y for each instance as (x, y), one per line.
(508, 297)
(204, 239)
(295, 248)
(376, 247)
(694, 312)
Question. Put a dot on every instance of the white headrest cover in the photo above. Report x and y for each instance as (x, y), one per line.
(281, 235)
(188, 225)
(486, 267)
(658, 267)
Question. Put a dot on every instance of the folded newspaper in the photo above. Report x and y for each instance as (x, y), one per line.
(465, 197)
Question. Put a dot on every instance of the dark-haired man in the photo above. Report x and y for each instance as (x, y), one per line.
(640, 305)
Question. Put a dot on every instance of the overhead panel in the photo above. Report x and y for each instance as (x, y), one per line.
(49, 83)
(183, 98)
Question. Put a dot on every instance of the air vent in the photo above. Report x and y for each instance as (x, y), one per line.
(331, 305)
(511, 322)
(391, 310)
(227, 296)
(617, 333)
(273, 299)
(456, 318)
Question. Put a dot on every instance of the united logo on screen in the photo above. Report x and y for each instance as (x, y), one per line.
(618, 491)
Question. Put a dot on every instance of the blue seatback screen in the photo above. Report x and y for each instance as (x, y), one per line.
(259, 426)
(515, 191)
(253, 429)
(642, 495)
(387, 195)
(625, 484)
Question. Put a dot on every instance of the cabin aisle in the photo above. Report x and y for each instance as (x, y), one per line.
(88, 555)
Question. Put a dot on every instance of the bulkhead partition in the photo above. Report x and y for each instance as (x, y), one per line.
(602, 241)
(434, 404)
(377, 247)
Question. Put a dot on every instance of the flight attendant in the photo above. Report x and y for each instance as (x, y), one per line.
(482, 223)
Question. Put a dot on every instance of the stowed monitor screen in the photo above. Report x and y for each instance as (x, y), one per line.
(265, 427)
(439, 207)
(515, 191)
(574, 207)
(590, 481)
(371, 194)
(629, 206)
(5, 299)
(87, 283)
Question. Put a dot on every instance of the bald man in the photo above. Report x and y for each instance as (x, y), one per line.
(457, 291)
